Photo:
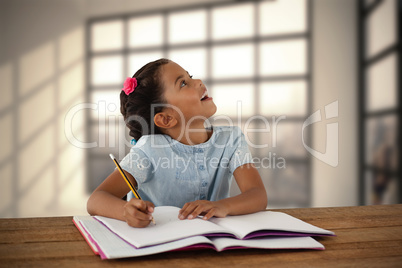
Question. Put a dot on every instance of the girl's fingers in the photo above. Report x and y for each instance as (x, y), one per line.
(150, 206)
(197, 211)
(134, 222)
(193, 209)
(210, 214)
(137, 213)
(186, 210)
(139, 204)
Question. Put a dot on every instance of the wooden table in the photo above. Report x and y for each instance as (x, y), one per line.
(366, 236)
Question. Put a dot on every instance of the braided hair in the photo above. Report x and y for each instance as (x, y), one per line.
(136, 107)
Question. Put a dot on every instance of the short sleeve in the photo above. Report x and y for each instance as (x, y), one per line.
(138, 164)
(241, 154)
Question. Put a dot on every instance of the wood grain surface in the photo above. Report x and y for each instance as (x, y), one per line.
(367, 236)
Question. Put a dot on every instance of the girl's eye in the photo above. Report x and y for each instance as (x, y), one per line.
(184, 83)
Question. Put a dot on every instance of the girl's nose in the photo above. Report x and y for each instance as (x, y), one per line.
(198, 82)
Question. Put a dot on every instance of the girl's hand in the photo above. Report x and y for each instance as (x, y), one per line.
(209, 209)
(138, 213)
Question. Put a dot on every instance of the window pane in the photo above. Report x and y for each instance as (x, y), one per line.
(382, 84)
(275, 135)
(107, 35)
(106, 70)
(226, 98)
(287, 139)
(108, 103)
(145, 31)
(257, 132)
(111, 138)
(186, 27)
(381, 28)
(283, 98)
(233, 61)
(233, 22)
(282, 17)
(369, 2)
(193, 61)
(381, 188)
(283, 58)
(289, 186)
(98, 175)
(137, 60)
(381, 142)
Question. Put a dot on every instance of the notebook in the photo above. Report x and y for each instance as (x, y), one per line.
(111, 238)
(111, 246)
(169, 228)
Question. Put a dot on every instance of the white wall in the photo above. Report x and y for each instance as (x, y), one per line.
(42, 76)
(335, 79)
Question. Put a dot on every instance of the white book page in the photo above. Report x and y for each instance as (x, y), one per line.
(267, 220)
(84, 231)
(306, 242)
(111, 246)
(168, 228)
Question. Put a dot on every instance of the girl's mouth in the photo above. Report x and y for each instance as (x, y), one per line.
(205, 96)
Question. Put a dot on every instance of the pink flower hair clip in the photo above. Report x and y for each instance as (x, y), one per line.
(129, 85)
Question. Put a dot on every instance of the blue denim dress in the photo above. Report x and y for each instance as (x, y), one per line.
(170, 173)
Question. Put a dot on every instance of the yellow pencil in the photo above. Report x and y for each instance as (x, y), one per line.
(132, 188)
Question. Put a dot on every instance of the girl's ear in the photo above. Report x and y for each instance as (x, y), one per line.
(165, 120)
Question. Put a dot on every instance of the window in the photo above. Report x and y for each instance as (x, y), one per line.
(256, 66)
(380, 106)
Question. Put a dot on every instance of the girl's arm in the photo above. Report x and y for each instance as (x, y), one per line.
(107, 201)
(253, 198)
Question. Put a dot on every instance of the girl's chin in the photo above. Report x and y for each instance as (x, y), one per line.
(213, 111)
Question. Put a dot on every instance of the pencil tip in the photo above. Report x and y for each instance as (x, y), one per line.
(111, 156)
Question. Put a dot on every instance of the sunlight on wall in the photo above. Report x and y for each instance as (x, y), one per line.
(36, 68)
(71, 47)
(6, 135)
(6, 85)
(71, 87)
(6, 194)
(42, 173)
(35, 113)
(7, 139)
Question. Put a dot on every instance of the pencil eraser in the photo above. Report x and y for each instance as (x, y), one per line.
(111, 156)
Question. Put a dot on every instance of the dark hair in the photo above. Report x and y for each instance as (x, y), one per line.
(136, 107)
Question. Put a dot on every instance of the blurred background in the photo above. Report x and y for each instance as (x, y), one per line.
(314, 84)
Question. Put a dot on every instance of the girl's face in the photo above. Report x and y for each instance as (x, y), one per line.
(188, 96)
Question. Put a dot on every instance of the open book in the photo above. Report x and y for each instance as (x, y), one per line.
(169, 228)
(111, 246)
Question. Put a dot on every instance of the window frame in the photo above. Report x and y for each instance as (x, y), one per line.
(365, 62)
(256, 79)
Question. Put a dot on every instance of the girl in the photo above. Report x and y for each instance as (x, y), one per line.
(177, 161)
